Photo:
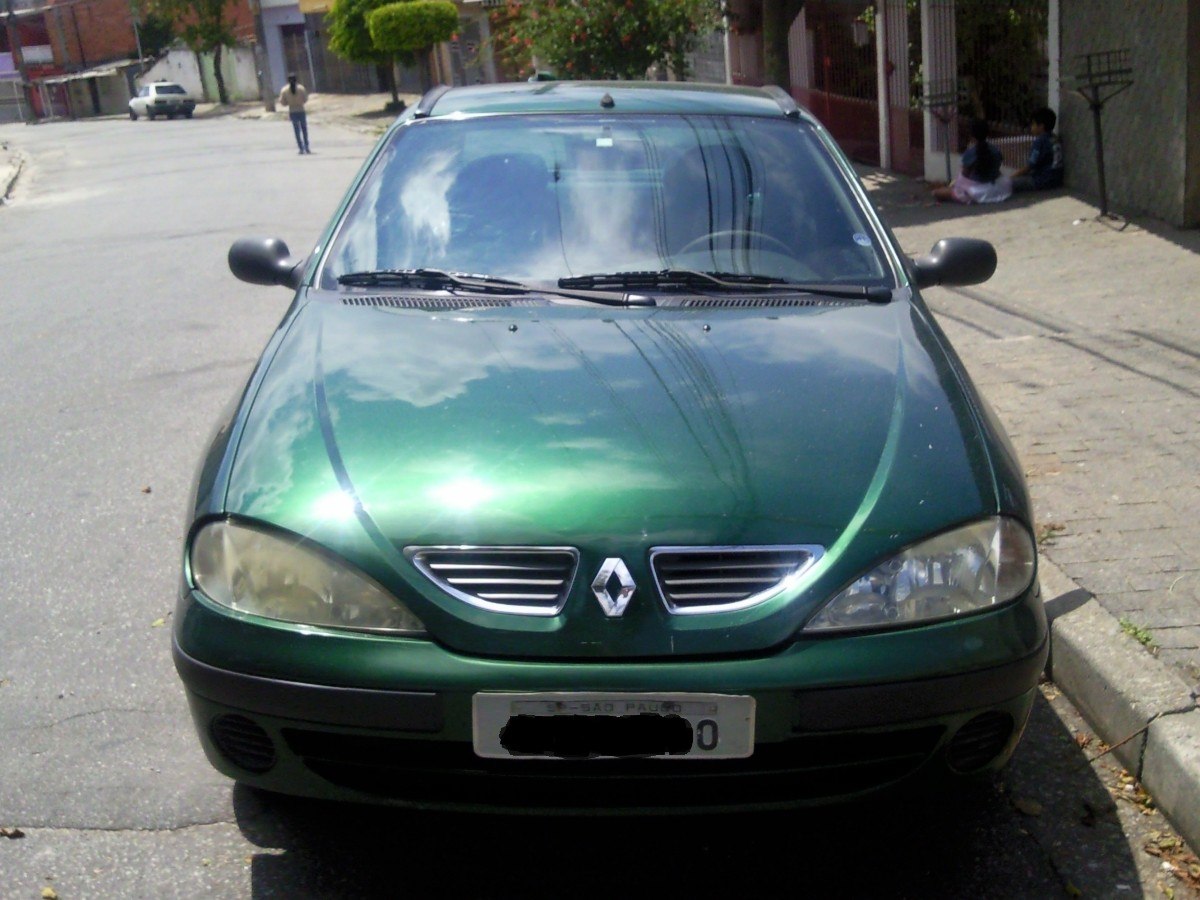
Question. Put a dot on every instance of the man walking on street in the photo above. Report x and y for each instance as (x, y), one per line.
(294, 96)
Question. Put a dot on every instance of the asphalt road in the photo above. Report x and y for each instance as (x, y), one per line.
(122, 334)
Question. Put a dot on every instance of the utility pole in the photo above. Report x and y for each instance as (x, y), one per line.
(134, 16)
(262, 65)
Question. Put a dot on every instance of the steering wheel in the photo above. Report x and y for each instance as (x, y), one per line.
(731, 232)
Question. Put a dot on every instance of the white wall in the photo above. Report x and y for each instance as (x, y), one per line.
(273, 19)
(182, 67)
(179, 66)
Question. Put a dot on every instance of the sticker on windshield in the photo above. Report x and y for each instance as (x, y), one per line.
(861, 239)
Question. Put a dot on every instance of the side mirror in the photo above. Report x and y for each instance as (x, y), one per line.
(265, 261)
(955, 261)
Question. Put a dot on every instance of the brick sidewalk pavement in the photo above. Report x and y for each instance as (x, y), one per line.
(1087, 343)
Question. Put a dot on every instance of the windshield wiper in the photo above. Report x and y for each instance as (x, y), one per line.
(661, 280)
(432, 279)
(684, 279)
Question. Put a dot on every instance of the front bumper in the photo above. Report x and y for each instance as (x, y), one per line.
(404, 736)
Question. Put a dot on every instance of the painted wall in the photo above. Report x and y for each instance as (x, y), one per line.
(1152, 130)
(196, 76)
(179, 66)
(237, 68)
(274, 18)
(110, 90)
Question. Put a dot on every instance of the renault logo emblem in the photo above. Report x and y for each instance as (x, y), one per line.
(613, 574)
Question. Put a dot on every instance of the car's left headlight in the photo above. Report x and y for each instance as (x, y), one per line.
(963, 571)
(271, 574)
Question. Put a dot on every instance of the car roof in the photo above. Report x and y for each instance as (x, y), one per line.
(590, 96)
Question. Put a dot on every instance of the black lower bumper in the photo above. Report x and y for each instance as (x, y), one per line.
(408, 747)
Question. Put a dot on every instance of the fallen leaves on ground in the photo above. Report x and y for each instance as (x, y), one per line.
(49, 893)
(12, 833)
(1177, 858)
(1048, 531)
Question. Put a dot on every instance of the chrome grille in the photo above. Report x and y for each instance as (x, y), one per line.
(697, 580)
(530, 581)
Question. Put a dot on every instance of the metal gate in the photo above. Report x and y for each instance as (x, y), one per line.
(1002, 69)
(834, 61)
(833, 52)
(13, 107)
(306, 52)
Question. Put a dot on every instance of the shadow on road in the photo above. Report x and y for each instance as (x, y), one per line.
(966, 841)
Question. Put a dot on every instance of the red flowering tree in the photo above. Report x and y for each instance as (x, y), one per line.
(603, 38)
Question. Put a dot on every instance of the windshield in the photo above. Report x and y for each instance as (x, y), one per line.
(540, 198)
(170, 89)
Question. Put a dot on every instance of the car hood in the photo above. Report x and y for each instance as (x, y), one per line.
(376, 429)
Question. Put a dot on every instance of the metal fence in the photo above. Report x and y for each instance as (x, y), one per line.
(13, 106)
(1003, 68)
(306, 52)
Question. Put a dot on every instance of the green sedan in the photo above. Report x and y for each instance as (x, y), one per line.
(608, 459)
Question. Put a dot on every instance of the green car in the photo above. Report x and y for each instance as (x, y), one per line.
(608, 459)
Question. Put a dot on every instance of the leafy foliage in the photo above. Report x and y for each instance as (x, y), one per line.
(203, 25)
(349, 36)
(403, 29)
(156, 32)
(603, 38)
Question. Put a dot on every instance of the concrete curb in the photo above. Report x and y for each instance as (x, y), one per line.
(11, 164)
(1128, 696)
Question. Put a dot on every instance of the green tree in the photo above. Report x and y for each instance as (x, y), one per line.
(414, 26)
(605, 38)
(156, 33)
(205, 27)
(350, 38)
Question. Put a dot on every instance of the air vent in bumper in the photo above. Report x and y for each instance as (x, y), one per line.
(698, 580)
(243, 742)
(529, 581)
(979, 741)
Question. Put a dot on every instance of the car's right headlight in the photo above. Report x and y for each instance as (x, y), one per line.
(957, 573)
(270, 574)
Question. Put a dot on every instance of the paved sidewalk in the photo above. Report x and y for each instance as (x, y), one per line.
(366, 113)
(1087, 343)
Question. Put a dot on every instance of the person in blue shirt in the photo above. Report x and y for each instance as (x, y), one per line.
(980, 179)
(1045, 168)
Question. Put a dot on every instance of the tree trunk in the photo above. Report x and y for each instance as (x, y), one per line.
(391, 72)
(777, 19)
(222, 94)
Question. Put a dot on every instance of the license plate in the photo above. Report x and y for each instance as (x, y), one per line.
(571, 725)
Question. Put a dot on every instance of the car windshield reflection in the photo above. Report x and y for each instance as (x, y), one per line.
(538, 201)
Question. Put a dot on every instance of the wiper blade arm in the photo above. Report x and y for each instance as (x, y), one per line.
(432, 278)
(662, 280)
(684, 279)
